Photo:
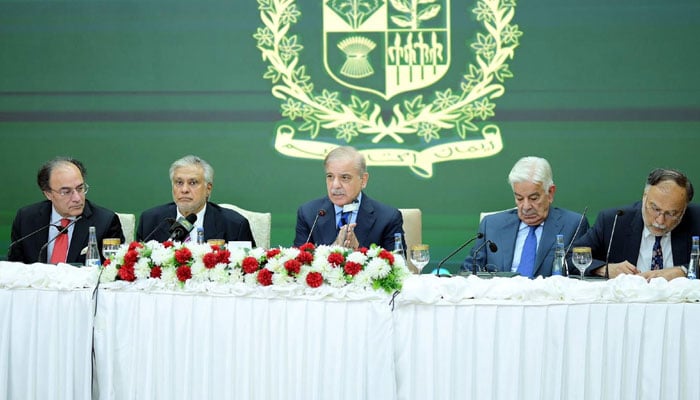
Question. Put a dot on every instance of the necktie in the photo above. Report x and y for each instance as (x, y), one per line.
(60, 247)
(344, 218)
(527, 257)
(657, 257)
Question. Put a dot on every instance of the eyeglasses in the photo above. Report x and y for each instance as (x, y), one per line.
(68, 192)
(670, 215)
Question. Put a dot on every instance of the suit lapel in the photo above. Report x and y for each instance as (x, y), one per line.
(507, 246)
(365, 220)
(550, 229)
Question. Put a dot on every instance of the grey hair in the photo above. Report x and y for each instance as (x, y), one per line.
(532, 169)
(345, 153)
(193, 160)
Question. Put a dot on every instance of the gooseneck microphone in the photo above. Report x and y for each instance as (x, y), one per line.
(61, 231)
(612, 233)
(160, 224)
(437, 270)
(492, 247)
(27, 236)
(573, 238)
(320, 213)
(182, 227)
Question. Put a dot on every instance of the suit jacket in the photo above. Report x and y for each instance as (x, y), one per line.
(628, 235)
(376, 223)
(502, 229)
(219, 223)
(35, 216)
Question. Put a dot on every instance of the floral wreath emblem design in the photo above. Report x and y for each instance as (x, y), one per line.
(383, 48)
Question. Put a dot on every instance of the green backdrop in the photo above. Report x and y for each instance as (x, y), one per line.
(605, 90)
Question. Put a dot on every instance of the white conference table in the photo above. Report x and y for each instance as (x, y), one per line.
(445, 339)
(193, 346)
(45, 335)
(500, 346)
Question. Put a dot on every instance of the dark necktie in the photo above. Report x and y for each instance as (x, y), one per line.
(527, 257)
(657, 257)
(60, 248)
(344, 218)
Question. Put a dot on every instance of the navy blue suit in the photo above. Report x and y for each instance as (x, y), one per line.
(376, 223)
(628, 235)
(219, 223)
(502, 229)
(38, 215)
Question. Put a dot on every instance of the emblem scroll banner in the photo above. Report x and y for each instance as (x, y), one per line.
(420, 162)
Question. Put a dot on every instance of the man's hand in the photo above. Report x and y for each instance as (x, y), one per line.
(615, 269)
(667, 273)
(346, 237)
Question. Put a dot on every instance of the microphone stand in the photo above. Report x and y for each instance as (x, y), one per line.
(437, 271)
(160, 224)
(320, 213)
(62, 231)
(492, 246)
(607, 254)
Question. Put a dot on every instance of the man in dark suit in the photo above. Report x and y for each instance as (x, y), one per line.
(526, 236)
(652, 237)
(193, 180)
(62, 180)
(347, 216)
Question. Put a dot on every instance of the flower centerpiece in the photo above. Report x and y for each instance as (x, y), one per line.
(307, 265)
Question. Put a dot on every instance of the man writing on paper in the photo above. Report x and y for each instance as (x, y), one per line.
(56, 229)
(347, 216)
(652, 237)
(527, 234)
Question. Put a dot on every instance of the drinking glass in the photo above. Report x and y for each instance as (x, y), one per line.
(420, 256)
(110, 246)
(582, 258)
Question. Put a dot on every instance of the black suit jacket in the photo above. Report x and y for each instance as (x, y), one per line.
(376, 223)
(36, 216)
(628, 235)
(219, 223)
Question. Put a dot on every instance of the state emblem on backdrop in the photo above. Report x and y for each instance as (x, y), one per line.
(389, 85)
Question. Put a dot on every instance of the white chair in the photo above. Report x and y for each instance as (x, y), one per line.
(413, 231)
(487, 213)
(260, 224)
(128, 222)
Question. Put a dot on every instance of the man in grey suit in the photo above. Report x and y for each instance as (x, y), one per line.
(526, 235)
(347, 216)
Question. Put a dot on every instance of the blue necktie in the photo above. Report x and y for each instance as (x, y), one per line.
(344, 218)
(657, 257)
(527, 258)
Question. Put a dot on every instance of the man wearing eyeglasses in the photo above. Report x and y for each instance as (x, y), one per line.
(347, 216)
(192, 181)
(653, 236)
(56, 229)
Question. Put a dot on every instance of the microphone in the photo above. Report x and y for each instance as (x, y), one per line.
(612, 233)
(492, 247)
(437, 270)
(320, 213)
(25, 237)
(182, 227)
(160, 224)
(571, 243)
(61, 231)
